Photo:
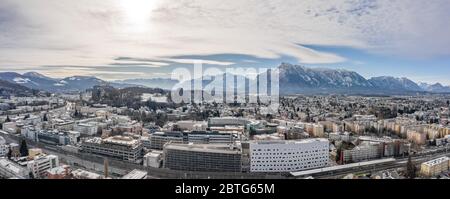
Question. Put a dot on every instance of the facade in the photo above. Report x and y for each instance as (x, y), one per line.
(224, 121)
(210, 138)
(40, 164)
(136, 174)
(61, 172)
(363, 152)
(435, 167)
(3, 147)
(416, 136)
(153, 159)
(86, 129)
(86, 175)
(53, 138)
(202, 157)
(10, 127)
(288, 156)
(120, 147)
(9, 169)
(159, 139)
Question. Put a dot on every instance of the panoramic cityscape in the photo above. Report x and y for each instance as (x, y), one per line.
(202, 89)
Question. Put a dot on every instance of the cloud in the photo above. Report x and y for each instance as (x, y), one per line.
(34, 33)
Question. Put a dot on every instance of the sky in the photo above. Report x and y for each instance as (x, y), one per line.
(123, 39)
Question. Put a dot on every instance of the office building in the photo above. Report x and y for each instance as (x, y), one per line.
(153, 159)
(202, 157)
(288, 155)
(86, 129)
(40, 164)
(435, 167)
(120, 147)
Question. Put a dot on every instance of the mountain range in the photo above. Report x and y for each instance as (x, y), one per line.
(294, 79)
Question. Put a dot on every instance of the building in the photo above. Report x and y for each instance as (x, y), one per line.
(159, 139)
(187, 125)
(9, 169)
(362, 152)
(416, 137)
(53, 138)
(226, 121)
(435, 167)
(202, 157)
(32, 153)
(74, 137)
(153, 159)
(40, 164)
(288, 155)
(136, 174)
(10, 127)
(86, 129)
(3, 147)
(61, 172)
(203, 137)
(86, 175)
(120, 147)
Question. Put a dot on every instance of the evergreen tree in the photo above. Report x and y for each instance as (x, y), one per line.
(45, 119)
(9, 153)
(23, 148)
(7, 119)
(410, 169)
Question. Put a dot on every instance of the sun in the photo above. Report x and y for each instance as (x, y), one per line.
(137, 13)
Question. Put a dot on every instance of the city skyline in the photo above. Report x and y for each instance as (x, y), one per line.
(147, 39)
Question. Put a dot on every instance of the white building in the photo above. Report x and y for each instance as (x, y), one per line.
(135, 174)
(9, 169)
(3, 147)
(153, 159)
(83, 174)
(10, 127)
(42, 163)
(86, 129)
(287, 156)
(74, 136)
(188, 125)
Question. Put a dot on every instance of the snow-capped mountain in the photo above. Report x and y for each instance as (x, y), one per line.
(38, 81)
(320, 77)
(294, 79)
(38, 75)
(299, 79)
(7, 88)
(394, 83)
(162, 83)
(436, 88)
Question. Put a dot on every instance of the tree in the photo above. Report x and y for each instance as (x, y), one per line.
(7, 119)
(23, 148)
(45, 119)
(410, 169)
(9, 153)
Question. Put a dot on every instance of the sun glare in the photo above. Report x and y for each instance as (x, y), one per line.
(137, 13)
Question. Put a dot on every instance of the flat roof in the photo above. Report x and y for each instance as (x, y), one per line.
(135, 174)
(10, 165)
(437, 161)
(213, 148)
(303, 141)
